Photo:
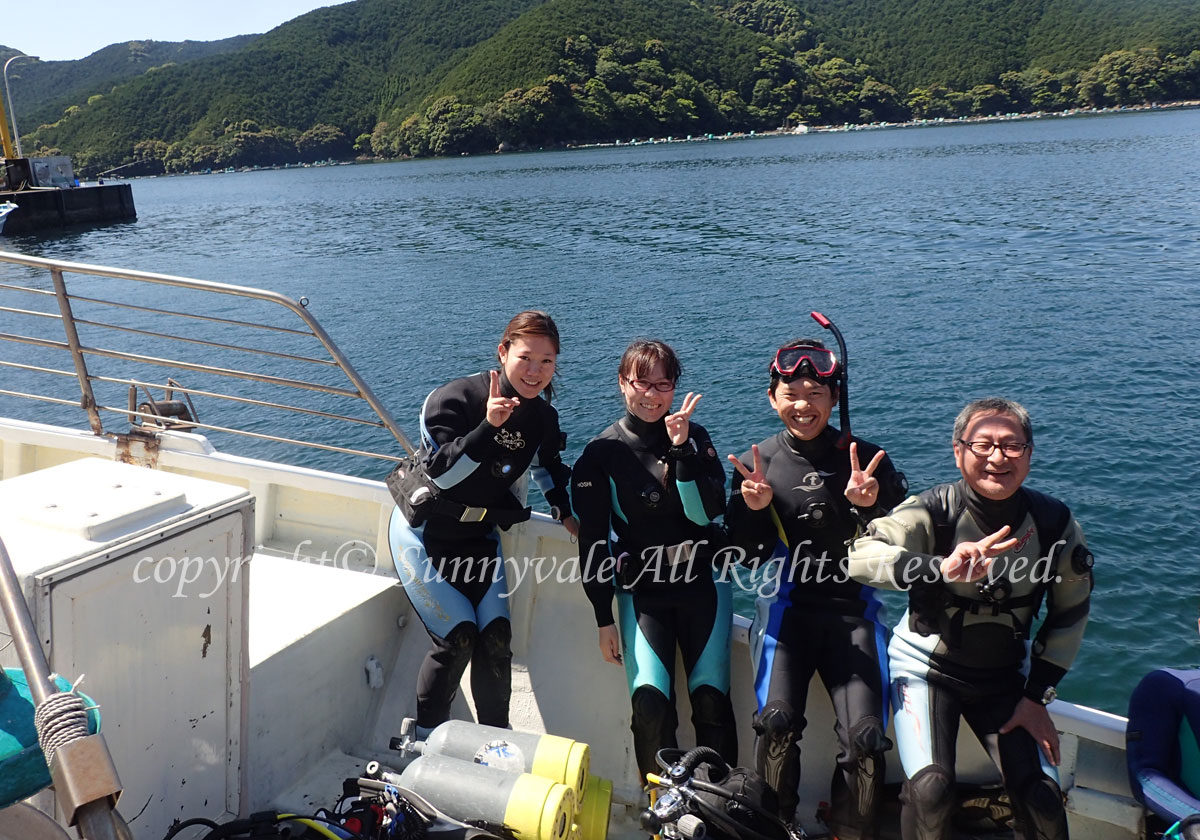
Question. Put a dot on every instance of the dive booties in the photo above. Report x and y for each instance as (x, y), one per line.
(713, 720)
(928, 799)
(777, 756)
(653, 724)
(1039, 809)
(858, 782)
(491, 673)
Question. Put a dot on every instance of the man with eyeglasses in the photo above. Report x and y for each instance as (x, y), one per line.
(802, 494)
(978, 557)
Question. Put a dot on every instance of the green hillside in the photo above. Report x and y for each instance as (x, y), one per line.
(43, 89)
(530, 48)
(328, 67)
(1075, 33)
(418, 77)
(962, 43)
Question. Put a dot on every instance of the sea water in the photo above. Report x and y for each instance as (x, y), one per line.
(1053, 261)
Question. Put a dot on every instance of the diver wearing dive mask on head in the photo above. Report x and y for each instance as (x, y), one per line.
(801, 495)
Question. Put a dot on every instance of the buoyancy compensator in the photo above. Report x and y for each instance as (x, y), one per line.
(701, 796)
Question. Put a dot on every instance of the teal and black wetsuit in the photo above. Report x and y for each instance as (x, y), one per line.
(651, 505)
(819, 620)
(1161, 743)
(451, 570)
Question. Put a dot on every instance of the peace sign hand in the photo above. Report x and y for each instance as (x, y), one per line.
(863, 488)
(971, 561)
(499, 407)
(678, 423)
(755, 491)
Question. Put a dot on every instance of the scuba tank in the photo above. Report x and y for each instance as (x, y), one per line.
(531, 807)
(549, 756)
(594, 809)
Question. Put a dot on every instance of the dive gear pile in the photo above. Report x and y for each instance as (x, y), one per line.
(465, 781)
(700, 796)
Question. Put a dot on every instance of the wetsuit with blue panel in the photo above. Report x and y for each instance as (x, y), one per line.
(818, 621)
(1162, 749)
(652, 505)
(966, 649)
(450, 567)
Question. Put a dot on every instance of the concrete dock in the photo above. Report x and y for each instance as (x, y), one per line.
(55, 207)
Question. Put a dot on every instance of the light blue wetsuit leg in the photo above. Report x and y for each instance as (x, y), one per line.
(440, 606)
(712, 668)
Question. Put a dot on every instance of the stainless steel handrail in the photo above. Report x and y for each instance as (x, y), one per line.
(59, 271)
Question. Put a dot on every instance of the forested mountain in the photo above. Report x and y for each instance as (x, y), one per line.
(43, 89)
(415, 77)
(328, 67)
(528, 50)
(962, 43)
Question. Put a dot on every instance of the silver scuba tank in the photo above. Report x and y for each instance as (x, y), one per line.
(532, 807)
(559, 759)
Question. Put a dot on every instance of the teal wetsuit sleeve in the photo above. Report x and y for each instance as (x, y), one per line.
(593, 507)
(700, 479)
(553, 476)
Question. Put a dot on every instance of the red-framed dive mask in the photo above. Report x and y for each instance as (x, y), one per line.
(790, 360)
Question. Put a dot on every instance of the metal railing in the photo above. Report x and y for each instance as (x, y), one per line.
(169, 413)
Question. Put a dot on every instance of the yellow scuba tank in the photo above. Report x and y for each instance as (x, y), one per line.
(594, 809)
(532, 807)
(549, 756)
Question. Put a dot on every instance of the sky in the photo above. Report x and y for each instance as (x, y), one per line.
(77, 28)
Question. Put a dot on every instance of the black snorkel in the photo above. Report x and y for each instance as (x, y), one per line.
(843, 441)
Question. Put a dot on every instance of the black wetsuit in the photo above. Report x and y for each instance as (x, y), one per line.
(451, 570)
(958, 652)
(630, 483)
(819, 621)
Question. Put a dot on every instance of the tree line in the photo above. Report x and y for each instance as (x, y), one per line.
(733, 66)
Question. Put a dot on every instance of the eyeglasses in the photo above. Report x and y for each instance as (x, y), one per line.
(985, 448)
(647, 385)
(791, 359)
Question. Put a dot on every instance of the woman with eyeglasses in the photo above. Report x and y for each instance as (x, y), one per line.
(646, 491)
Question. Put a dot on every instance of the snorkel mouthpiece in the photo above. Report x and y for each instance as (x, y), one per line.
(843, 440)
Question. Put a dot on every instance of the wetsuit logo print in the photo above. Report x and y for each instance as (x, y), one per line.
(1024, 540)
(815, 480)
(510, 440)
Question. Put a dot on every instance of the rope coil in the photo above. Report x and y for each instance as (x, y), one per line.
(60, 719)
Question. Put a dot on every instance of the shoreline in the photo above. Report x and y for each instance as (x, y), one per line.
(936, 122)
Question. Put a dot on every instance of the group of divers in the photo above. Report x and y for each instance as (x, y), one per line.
(647, 500)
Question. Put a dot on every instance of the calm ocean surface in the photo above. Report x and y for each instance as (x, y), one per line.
(1052, 261)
